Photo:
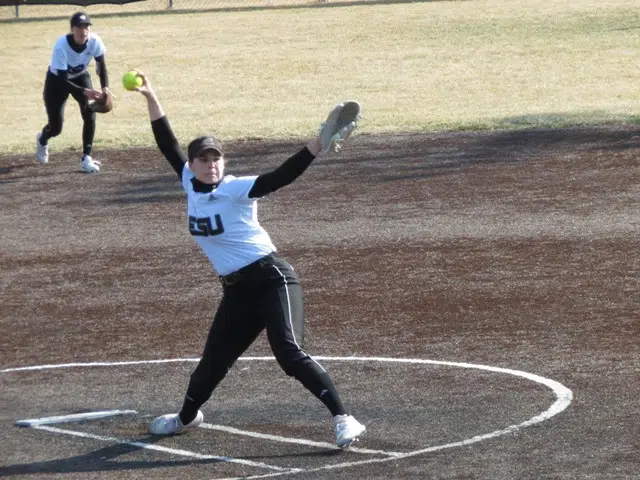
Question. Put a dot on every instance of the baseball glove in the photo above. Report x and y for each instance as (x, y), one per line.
(342, 120)
(103, 105)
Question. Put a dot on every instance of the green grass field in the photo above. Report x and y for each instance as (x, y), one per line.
(275, 73)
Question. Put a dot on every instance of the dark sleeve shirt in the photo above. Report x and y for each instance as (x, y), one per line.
(168, 144)
(101, 69)
(266, 183)
(63, 78)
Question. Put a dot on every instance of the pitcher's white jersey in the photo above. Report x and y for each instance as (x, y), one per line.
(75, 63)
(225, 224)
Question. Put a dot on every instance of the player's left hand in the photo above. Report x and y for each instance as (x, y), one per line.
(340, 123)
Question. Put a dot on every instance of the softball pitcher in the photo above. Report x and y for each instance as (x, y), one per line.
(68, 74)
(260, 289)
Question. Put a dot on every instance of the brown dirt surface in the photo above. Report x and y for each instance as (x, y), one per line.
(514, 250)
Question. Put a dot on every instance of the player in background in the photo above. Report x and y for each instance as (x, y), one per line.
(68, 74)
(260, 289)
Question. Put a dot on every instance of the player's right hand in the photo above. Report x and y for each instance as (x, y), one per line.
(145, 89)
(92, 94)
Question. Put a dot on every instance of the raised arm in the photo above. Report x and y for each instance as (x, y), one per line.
(165, 138)
(342, 120)
(286, 173)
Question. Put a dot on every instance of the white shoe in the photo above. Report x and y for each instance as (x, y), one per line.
(348, 429)
(171, 424)
(89, 165)
(42, 151)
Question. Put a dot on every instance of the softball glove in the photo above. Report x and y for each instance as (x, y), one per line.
(342, 120)
(103, 105)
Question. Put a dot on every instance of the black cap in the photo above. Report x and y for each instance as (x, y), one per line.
(79, 19)
(198, 146)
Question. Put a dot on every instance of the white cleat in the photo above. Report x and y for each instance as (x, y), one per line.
(42, 151)
(348, 429)
(171, 424)
(89, 165)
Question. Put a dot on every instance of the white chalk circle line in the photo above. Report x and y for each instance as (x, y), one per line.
(563, 398)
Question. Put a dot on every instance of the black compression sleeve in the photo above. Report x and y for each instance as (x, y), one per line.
(286, 173)
(168, 144)
(101, 67)
(63, 76)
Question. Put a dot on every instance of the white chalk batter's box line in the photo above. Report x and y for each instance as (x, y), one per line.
(563, 396)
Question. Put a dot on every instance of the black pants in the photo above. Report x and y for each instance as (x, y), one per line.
(268, 296)
(55, 96)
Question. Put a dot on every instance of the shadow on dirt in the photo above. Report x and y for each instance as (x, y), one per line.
(104, 460)
(99, 461)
